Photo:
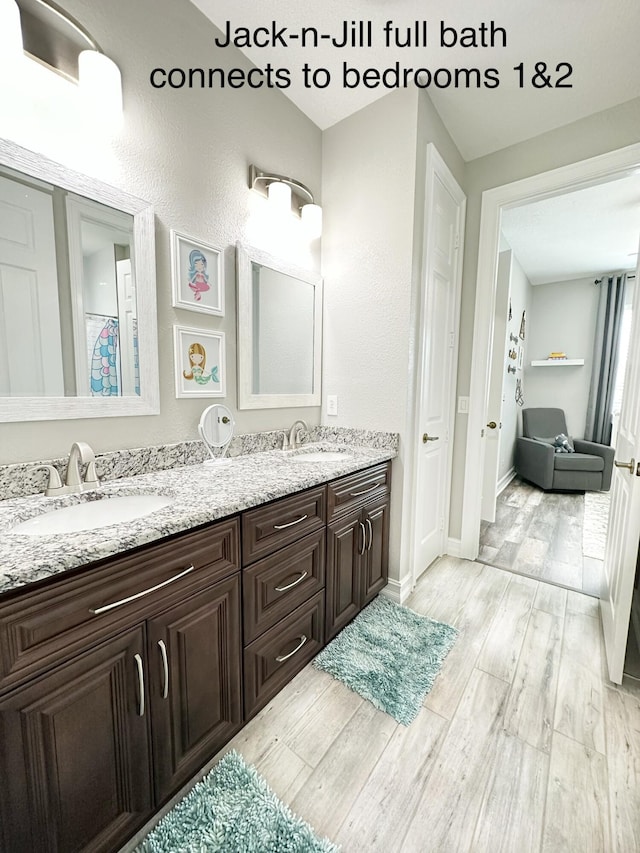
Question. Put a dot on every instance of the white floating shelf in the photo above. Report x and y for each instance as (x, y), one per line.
(558, 362)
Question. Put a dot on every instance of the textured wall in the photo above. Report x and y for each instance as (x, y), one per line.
(373, 197)
(187, 152)
(563, 317)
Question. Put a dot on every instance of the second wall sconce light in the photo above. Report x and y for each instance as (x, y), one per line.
(287, 194)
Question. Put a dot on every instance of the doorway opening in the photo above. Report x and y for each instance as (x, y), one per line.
(550, 271)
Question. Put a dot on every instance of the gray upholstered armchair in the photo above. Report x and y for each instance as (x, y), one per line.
(588, 469)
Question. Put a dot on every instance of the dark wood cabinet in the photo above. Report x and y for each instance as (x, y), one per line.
(75, 754)
(357, 561)
(92, 744)
(194, 682)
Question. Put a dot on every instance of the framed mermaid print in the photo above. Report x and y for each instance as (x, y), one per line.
(196, 273)
(199, 362)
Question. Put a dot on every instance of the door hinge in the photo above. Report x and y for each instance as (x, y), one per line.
(442, 524)
(456, 244)
(452, 339)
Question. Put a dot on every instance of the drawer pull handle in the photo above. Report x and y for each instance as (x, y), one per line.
(282, 658)
(140, 667)
(364, 491)
(291, 585)
(98, 610)
(165, 668)
(290, 523)
(368, 520)
(364, 539)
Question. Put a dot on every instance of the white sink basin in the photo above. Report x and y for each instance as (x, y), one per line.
(321, 456)
(91, 515)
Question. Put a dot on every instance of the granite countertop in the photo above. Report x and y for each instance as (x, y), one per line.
(199, 494)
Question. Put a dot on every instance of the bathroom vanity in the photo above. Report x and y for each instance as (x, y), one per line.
(120, 679)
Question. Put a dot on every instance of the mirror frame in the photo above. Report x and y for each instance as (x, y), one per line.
(148, 403)
(247, 399)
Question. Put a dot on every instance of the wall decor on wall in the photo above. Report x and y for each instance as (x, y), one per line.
(199, 358)
(196, 272)
(523, 326)
(520, 357)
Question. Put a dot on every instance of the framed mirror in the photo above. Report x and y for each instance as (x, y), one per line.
(279, 332)
(78, 335)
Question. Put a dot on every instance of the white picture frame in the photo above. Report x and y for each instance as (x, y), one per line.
(199, 362)
(196, 275)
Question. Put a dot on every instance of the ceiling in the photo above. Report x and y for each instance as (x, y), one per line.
(598, 39)
(580, 234)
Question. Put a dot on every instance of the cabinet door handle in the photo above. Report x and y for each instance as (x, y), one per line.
(290, 523)
(291, 585)
(98, 610)
(370, 528)
(282, 658)
(165, 668)
(364, 539)
(138, 660)
(364, 491)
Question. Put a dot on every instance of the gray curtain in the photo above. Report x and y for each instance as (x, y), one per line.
(605, 358)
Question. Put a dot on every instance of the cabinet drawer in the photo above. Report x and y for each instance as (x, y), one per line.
(349, 493)
(276, 585)
(40, 628)
(270, 527)
(274, 658)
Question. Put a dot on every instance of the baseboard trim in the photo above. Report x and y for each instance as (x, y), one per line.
(398, 591)
(454, 547)
(503, 482)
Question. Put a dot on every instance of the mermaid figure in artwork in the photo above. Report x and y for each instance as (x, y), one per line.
(198, 275)
(197, 363)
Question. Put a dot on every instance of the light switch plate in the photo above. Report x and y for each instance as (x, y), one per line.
(463, 405)
(332, 404)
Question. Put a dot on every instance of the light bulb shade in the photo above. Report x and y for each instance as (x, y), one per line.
(280, 196)
(100, 83)
(11, 50)
(311, 215)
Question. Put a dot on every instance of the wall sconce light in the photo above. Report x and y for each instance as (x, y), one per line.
(38, 30)
(288, 195)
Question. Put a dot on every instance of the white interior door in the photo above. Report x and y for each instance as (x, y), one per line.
(623, 536)
(444, 221)
(494, 407)
(30, 349)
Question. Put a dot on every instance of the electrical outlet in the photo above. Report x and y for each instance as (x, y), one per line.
(463, 405)
(332, 404)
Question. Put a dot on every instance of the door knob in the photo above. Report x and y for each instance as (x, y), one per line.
(630, 465)
(426, 438)
(492, 424)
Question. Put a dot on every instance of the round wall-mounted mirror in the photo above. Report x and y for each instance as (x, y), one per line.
(216, 431)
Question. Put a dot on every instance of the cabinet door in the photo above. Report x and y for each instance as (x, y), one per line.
(195, 666)
(74, 750)
(345, 543)
(375, 560)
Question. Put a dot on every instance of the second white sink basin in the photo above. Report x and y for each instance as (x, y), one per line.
(321, 456)
(91, 515)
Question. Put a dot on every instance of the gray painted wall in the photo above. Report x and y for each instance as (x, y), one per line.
(563, 317)
(188, 153)
(373, 198)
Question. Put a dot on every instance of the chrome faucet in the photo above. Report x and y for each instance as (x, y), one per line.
(293, 433)
(81, 453)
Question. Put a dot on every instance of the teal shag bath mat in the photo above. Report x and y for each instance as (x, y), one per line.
(390, 655)
(232, 810)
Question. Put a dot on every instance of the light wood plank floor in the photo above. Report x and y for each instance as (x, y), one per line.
(540, 534)
(522, 745)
